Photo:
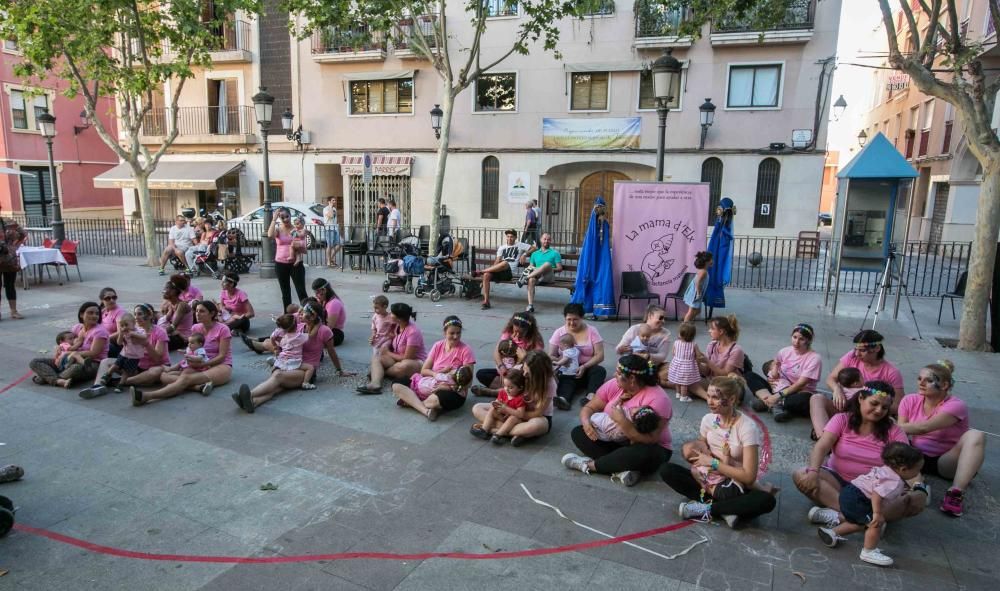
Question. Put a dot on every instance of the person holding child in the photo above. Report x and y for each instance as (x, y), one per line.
(153, 361)
(90, 346)
(634, 386)
(683, 371)
(447, 356)
(868, 356)
(722, 479)
(284, 258)
(403, 356)
(656, 347)
(695, 294)
(792, 378)
(538, 393)
(131, 340)
(508, 410)
(522, 330)
(590, 375)
(723, 356)
(288, 338)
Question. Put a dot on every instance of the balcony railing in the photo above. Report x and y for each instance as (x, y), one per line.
(227, 121)
(652, 20)
(352, 40)
(496, 8)
(925, 136)
(798, 15)
(408, 28)
(600, 8)
(232, 36)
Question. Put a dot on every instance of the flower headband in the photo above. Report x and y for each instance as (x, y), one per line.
(649, 370)
(805, 329)
(869, 392)
(643, 411)
(453, 322)
(308, 309)
(521, 320)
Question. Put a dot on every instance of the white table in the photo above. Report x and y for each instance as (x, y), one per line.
(32, 256)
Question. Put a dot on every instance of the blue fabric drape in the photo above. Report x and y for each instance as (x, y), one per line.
(721, 247)
(595, 287)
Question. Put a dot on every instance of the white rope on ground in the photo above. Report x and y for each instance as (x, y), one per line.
(559, 512)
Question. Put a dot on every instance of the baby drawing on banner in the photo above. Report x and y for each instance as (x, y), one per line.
(657, 262)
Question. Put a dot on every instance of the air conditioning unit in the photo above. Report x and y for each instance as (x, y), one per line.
(306, 138)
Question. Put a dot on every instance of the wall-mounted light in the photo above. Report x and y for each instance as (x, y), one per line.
(436, 115)
(862, 138)
(838, 107)
(287, 119)
(84, 123)
(707, 112)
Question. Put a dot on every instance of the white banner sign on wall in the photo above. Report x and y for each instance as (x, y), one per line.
(519, 187)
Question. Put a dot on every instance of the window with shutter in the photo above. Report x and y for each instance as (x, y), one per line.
(589, 91)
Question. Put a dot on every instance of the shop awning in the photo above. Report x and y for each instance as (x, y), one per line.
(170, 175)
(382, 165)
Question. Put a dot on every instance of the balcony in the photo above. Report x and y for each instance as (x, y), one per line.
(356, 44)
(409, 28)
(657, 27)
(232, 44)
(796, 26)
(602, 8)
(202, 125)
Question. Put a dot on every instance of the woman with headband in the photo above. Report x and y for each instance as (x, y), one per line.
(850, 445)
(403, 356)
(176, 316)
(792, 378)
(152, 362)
(449, 356)
(938, 425)
(336, 316)
(634, 386)
(522, 329)
(868, 357)
(235, 304)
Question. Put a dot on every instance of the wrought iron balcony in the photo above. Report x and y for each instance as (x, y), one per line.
(800, 14)
(357, 43)
(408, 28)
(236, 120)
(653, 20)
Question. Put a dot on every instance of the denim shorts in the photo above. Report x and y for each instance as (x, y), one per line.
(855, 506)
(332, 237)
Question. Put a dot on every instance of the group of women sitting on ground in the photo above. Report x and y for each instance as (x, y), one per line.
(872, 441)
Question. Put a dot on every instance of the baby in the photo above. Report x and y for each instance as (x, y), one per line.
(299, 241)
(456, 380)
(127, 363)
(644, 418)
(288, 340)
(507, 349)
(863, 499)
(382, 324)
(511, 401)
(195, 350)
(849, 379)
(65, 342)
(568, 362)
(640, 344)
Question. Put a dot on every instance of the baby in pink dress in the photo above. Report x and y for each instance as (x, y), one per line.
(644, 418)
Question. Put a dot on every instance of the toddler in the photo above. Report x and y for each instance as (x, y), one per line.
(288, 339)
(644, 418)
(382, 324)
(127, 362)
(65, 342)
(511, 397)
(684, 364)
(195, 350)
(695, 294)
(640, 344)
(861, 501)
(424, 386)
(299, 241)
(849, 379)
(569, 356)
(507, 349)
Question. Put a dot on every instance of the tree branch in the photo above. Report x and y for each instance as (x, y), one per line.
(90, 103)
(911, 23)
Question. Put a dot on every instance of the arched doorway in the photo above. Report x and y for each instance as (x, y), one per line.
(598, 184)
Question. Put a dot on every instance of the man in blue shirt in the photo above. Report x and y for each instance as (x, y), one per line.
(545, 263)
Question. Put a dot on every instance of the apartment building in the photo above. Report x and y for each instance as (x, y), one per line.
(928, 134)
(363, 91)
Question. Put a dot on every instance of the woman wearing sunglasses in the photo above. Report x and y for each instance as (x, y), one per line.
(110, 313)
(658, 348)
(868, 357)
(284, 258)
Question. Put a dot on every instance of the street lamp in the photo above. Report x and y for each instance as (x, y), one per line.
(47, 124)
(263, 103)
(84, 123)
(287, 118)
(436, 115)
(862, 138)
(838, 107)
(664, 69)
(707, 111)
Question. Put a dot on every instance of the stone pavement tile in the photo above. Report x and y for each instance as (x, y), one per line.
(965, 558)
(613, 575)
(271, 577)
(50, 497)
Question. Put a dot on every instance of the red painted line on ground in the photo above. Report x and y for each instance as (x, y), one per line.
(765, 452)
(109, 551)
(16, 382)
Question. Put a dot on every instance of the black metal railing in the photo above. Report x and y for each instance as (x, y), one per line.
(495, 8)
(231, 120)
(653, 20)
(232, 36)
(408, 28)
(351, 40)
(800, 14)
(598, 8)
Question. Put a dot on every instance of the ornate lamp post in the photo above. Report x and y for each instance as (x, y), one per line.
(47, 124)
(707, 112)
(436, 115)
(664, 70)
(263, 103)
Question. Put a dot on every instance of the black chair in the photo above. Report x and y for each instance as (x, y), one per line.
(379, 250)
(678, 296)
(956, 294)
(424, 235)
(357, 246)
(634, 287)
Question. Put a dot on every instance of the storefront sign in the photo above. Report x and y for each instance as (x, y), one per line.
(380, 165)
(591, 134)
(898, 81)
(518, 187)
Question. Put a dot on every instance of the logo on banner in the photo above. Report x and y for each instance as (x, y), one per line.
(655, 238)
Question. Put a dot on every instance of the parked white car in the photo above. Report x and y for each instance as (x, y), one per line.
(252, 224)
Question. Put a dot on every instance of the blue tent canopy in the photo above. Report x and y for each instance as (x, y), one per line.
(879, 159)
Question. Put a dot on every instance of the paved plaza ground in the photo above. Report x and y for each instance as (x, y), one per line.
(358, 474)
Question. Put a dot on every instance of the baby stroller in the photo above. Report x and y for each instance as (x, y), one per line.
(208, 262)
(437, 280)
(396, 272)
(235, 260)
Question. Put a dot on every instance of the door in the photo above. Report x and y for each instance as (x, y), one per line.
(36, 194)
(599, 184)
(938, 214)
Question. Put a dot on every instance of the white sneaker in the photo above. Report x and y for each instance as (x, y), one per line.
(824, 516)
(731, 520)
(695, 511)
(875, 557)
(627, 478)
(684, 398)
(576, 462)
(830, 537)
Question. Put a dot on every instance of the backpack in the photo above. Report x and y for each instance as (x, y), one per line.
(391, 267)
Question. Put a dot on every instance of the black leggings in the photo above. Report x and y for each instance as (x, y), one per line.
(487, 375)
(297, 274)
(610, 457)
(338, 337)
(798, 404)
(9, 281)
(748, 505)
(592, 379)
(242, 325)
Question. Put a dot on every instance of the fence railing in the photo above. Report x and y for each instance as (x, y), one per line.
(928, 269)
(798, 15)
(230, 120)
(652, 20)
(354, 39)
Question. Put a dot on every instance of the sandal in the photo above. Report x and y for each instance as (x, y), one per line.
(16, 316)
(308, 386)
(246, 398)
(136, 396)
(236, 398)
(478, 432)
(485, 306)
(432, 414)
(498, 440)
(369, 391)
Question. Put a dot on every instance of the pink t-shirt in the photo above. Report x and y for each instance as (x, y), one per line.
(98, 332)
(795, 366)
(109, 319)
(410, 337)
(653, 396)
(853, 454)
(335, 309)
(443, 360)
(938, 442)
(213, 337)
(586, 348)
(235, 303)
(881, 480)
(283, 247)
(183, 328)
(291, 343)
(156, 336)
(191, 294)
(312, 350)
(382, 327)
(885, 372)
(520, 342)
(130, 348)
(732, 355)
(743, 433)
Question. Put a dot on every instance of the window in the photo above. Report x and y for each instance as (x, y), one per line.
(10, 46)
(18, 112)
(41, 103)
(599, 8)
(928, 113)
(711, 173)
(648, 101)
(765, 208)
(497, 8)
(754, 86)
(490, 200)
(496, 92)
(25, 109)
(382, 96)
(589, 91)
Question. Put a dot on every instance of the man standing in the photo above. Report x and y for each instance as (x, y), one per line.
(530, 235)
(538, 213)
(395, 220)
(331, 225)
(545, 263)
(179, 239)
(510, 259)
(381, 217)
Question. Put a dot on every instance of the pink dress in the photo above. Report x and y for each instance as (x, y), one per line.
(683, 366)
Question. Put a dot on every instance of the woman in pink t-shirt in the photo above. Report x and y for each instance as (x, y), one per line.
(522, 328)
(176, 316)
(336, 315)
(938, 425)
(723, 356)
(284, 259)
(539, 389)
(591, 375)
(401, 358)
(235, 304)
(854, 440)
(110, 313)
(792, 378)
(446, 356)
(199, 376)
(634, 385)
(868, 357)
(151, 364)
(90, 347)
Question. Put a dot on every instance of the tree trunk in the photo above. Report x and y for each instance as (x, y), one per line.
(972, 330)
(447, 107)
(146, 206)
